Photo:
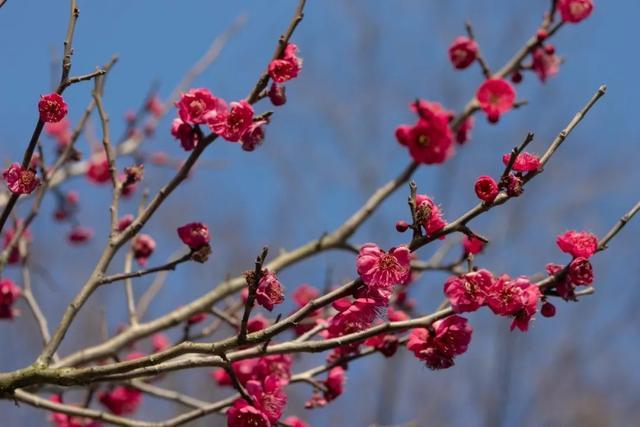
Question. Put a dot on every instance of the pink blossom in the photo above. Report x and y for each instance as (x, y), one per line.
(575, 11)
(63, 420)
(517, 298)
(334, 387)
(9, 294)
(124, 222)
(357, 317)
(525, 162)
(254, 135)
(430, 140)
(380, 269)
(270, 292)
(19, 180)
(14, 255)
(277, 365)
(60, 131)
(386, 344)
(257, 323)
(430, 211)
(472, 245)
(232, 123)
(52, 108)
(277, 94)
(287, 67)
(80, 234)
(121, 400)
(529, 298)
(304, 293)
(438, 345)
(581, 271)
(241, 414)
(545, 64)
(294, 421)
(468, 292)
(98, 169)
(269, 401)
(463, 134)
(159, 342)
(463, 52)
(195, 235)
(154, 106)
(143, 246)
(496, 97)
(194, 105)
(578, 243)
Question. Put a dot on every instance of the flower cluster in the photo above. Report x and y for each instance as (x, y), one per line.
(581, 246)
(282, 70)
(121, 400)
(439, 344)
(517, 298)
(233, 122)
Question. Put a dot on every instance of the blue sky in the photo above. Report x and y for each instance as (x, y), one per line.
(329, 147)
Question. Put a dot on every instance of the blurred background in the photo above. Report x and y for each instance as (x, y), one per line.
(326, 150)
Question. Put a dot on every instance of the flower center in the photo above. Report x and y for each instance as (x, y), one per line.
(388, 262)
(197, 107)
(423, 140)
(494, 99)
(577, 8)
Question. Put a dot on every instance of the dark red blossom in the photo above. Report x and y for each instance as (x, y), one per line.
(270, 291)
(80, 234)
(486, 189)
(195, 235)
(254, 136)
(185, 133)
(52, 108)
(14, 255)
(442, 342)
(575, 11)
(98, 169)
(121, 400)
(143, 246)
(277, 94)
(9, 294)
(463, 133)
(463, 52)
(580, 272)
(548, 309)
